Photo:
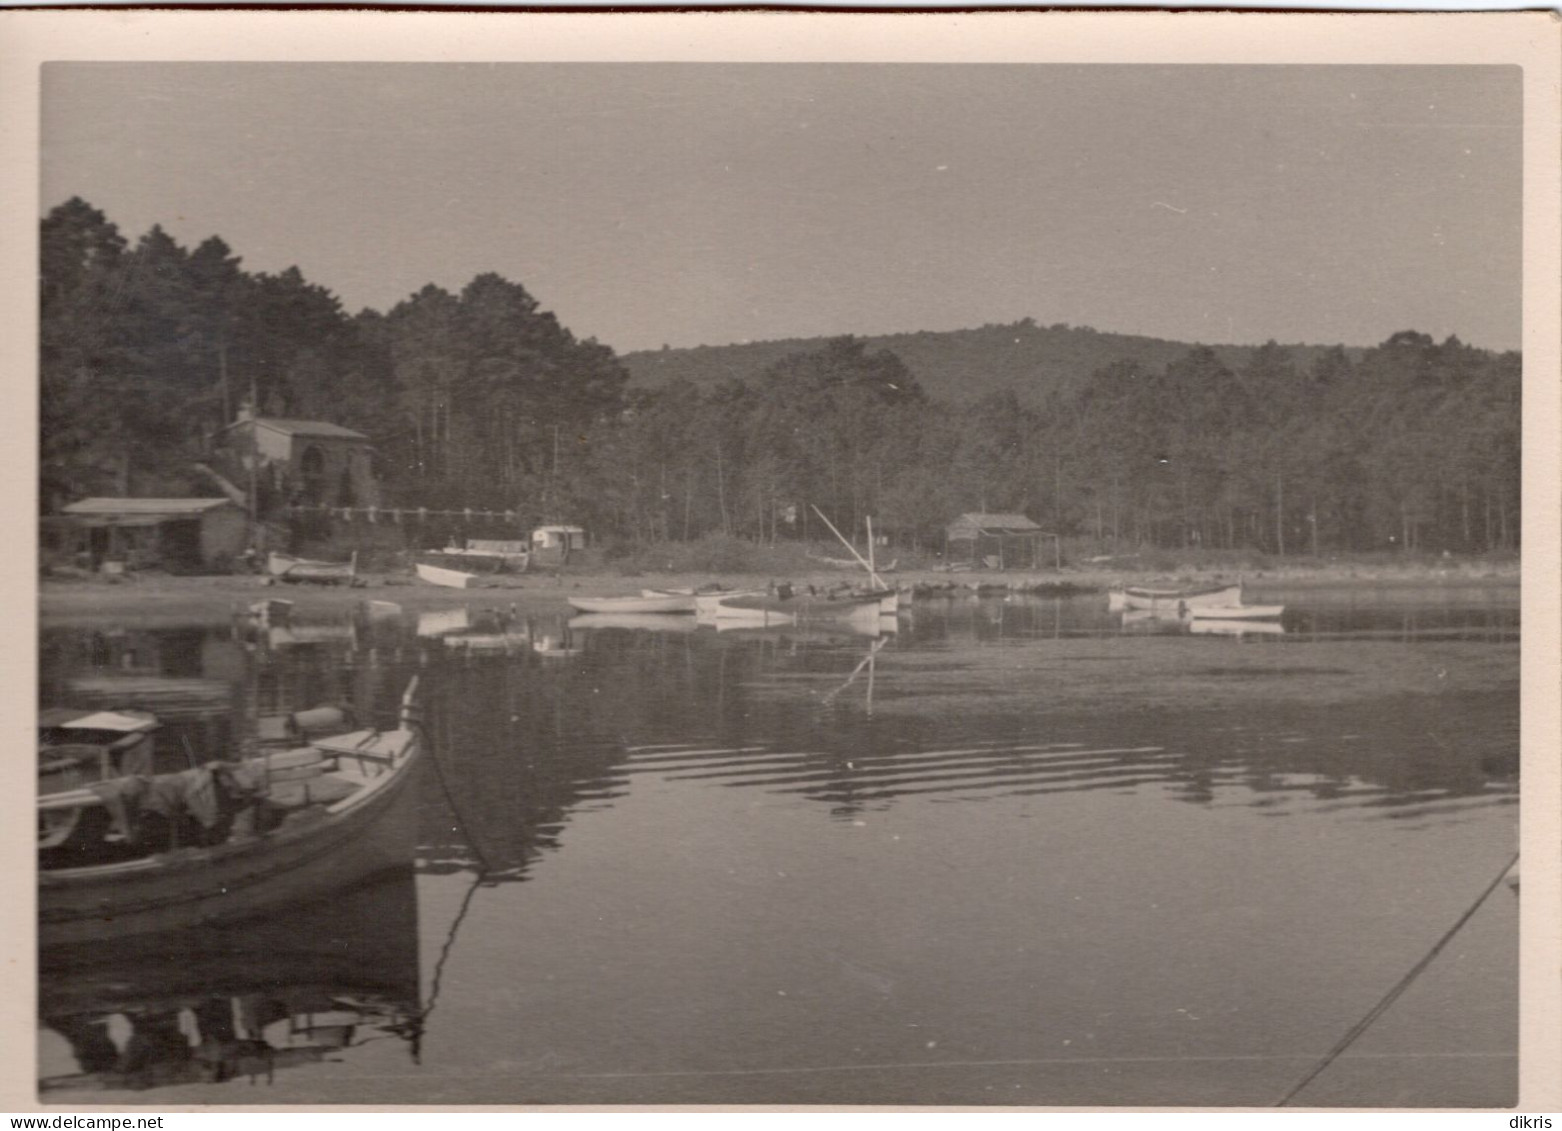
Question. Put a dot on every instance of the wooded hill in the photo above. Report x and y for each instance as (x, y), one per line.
(1025, 358)
(482, 399)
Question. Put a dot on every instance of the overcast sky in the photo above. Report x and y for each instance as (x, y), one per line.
(696, 203)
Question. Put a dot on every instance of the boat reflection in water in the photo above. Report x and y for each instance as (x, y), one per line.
(244, 1000)
(1158, 622)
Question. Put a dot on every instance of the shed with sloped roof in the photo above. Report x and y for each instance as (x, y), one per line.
(180, 535)
(994, 541)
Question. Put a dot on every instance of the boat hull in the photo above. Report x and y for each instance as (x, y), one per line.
(805, 609)
(710, 604)
(687, 599)
(1182, 598)
(286, 568)
(665, 603)
(449, 578)
(188, 887)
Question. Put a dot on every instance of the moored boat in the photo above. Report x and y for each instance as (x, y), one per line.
(685, 597)
(293, 570)
(707, 604)
(658, 603)
(126, 851)
(806, 607)
(484, 555)
(1137, 597)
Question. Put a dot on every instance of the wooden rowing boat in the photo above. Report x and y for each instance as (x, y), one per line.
(707, 603)
(482, 555)
(449, 578)
(123, 851)
(657, 603)
(686, 598)
(1207, 597)
(807, 607)
(293, 570)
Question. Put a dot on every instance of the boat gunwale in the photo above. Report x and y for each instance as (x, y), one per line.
(309, 824)
(1178, 594)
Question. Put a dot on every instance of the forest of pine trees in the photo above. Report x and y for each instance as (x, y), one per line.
(481, 399)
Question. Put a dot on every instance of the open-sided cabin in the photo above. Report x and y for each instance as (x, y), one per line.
(179, 535)
(994, 541)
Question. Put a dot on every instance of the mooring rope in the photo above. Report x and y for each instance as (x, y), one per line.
(1400, 987)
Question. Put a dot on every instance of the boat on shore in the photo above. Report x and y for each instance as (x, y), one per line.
(657, 602)
(484, 555)
(124, 850)
(286, 568)
(449, 578)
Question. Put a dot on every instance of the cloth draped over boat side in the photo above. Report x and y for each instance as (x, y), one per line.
(208, 795)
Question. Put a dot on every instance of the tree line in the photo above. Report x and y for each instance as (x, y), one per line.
(482, 399)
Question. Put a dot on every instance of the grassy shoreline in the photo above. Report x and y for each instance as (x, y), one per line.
(152, 597)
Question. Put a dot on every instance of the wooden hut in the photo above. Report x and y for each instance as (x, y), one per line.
(994, 541)
(183, 535)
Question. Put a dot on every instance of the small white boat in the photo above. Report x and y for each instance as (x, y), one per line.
(663, 603)
(1235, 612)
(449, 578)
(488, 555)
(708, 604)
(726, 617)
(378, 610)
(866, 607)
(684, 596)
(287, 568)
(1136, 597)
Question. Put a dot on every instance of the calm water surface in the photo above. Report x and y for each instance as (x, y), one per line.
(1019, 852)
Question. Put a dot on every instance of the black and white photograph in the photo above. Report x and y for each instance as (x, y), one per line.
(822, 579)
